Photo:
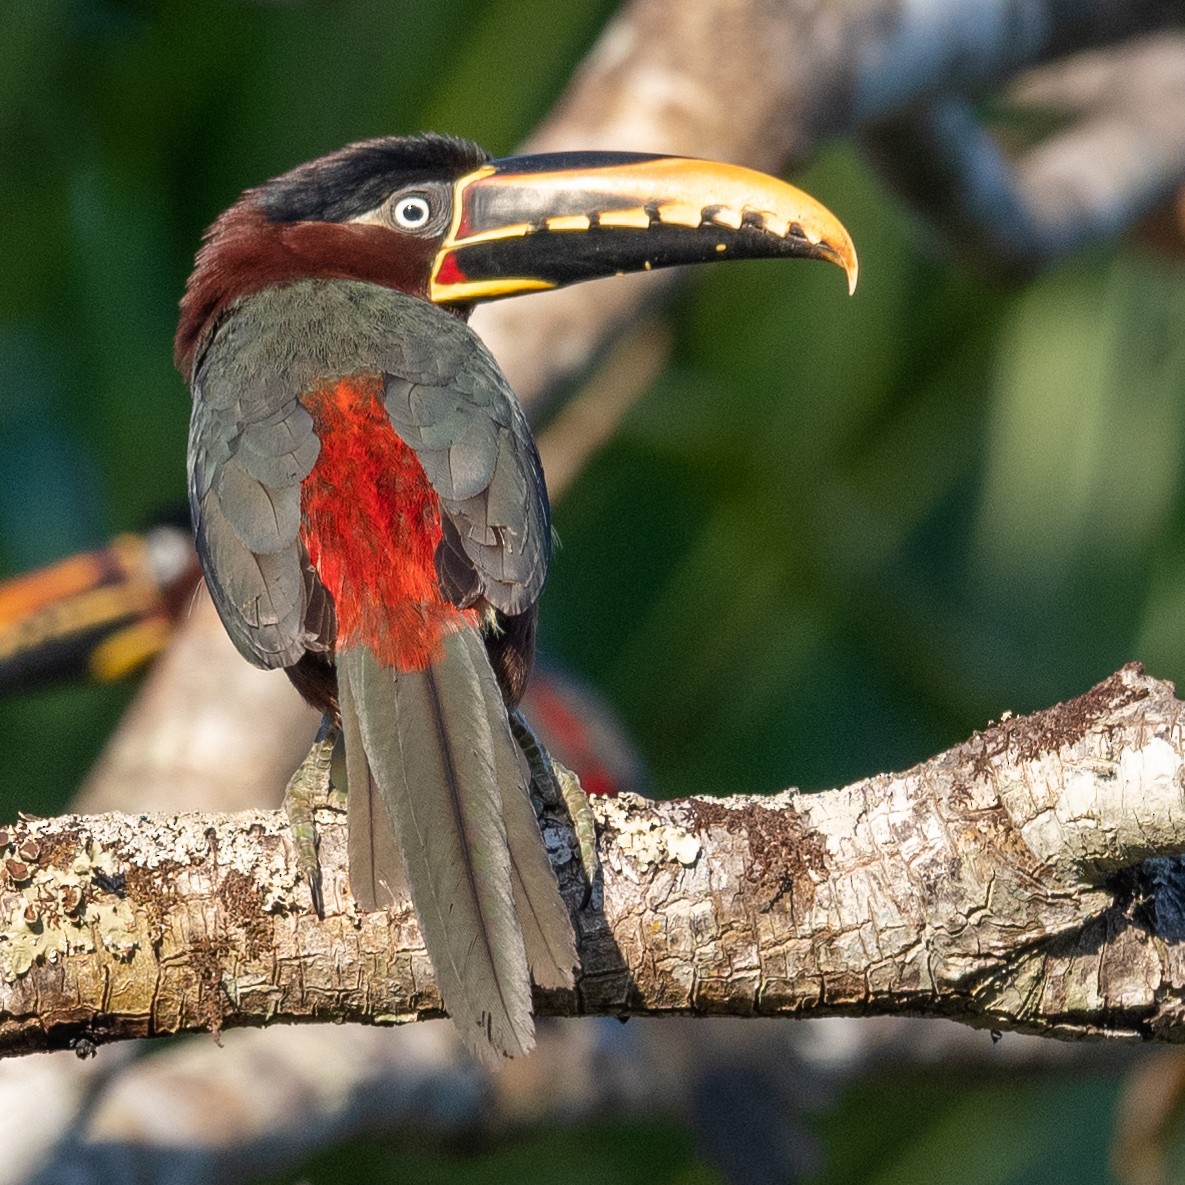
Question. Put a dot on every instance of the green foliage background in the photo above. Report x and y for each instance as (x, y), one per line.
(835, 537)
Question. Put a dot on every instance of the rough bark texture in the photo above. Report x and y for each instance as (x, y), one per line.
(1020, 880)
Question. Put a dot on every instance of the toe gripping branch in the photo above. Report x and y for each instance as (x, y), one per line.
(557, 785)
(309, 788)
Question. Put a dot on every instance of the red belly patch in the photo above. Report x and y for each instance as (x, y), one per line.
(371, 525)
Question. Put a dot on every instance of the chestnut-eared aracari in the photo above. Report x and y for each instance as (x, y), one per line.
(370, 511)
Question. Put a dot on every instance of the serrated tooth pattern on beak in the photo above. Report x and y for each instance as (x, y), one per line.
(681, 214)
(569, 222)
(778, 227)
(724, 216)
(637, 218)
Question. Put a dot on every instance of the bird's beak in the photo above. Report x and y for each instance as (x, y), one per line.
(530, 223)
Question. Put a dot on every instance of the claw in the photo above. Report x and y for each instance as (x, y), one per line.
(316, 892)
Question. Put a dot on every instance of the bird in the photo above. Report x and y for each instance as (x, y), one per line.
(370, 510)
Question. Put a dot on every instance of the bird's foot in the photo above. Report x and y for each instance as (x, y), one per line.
(309, 788)
(583, 822)
(559, 787)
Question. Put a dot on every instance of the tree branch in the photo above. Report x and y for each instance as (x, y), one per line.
(1020, 880)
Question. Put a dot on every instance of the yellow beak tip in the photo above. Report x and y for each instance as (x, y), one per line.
(843, 255)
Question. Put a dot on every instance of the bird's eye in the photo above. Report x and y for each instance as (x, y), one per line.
(412, 213)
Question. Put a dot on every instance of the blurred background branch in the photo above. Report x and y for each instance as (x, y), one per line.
(1012, 199)
(900, 515)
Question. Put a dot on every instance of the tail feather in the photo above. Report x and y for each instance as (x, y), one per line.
(546, 924)
(377, 879)
(436, 746)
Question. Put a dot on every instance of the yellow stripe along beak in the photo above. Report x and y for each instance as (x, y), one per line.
(530, 223)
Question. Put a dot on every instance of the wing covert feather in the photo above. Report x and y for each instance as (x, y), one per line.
(472, 438)
(244, 483)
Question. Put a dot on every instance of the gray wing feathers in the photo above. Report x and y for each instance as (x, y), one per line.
(265, 518)
(280, 452)
(458, 413)
(260, 598)
(244, 486)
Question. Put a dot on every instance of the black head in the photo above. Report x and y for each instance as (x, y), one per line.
(356, 179)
